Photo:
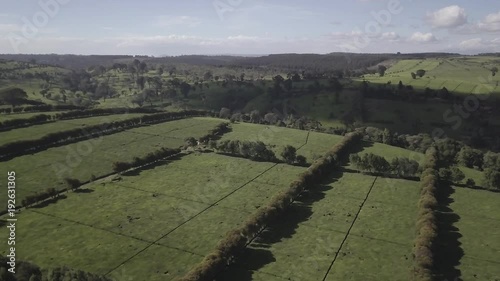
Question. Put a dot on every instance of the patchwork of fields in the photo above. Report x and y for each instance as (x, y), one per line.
(343, 230)
(465, 75)
(95, 157)
(39, 131)
(157, 222)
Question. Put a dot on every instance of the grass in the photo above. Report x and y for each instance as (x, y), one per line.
(38, 131)
(42, 239)
(25, 115)
(463, 75)
(156, 223)
(311, 144)
(480, 232)
(303, 245)
(391, 152)
(95, 157)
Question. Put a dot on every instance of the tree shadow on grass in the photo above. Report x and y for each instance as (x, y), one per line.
(50, 201)
(151, 166)
(84, 190)
(244, 268)
(258, 253)
(448, 250)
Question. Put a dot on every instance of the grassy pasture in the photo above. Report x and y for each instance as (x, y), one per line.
(84, 159)
(309, 144)
(303, 245)
(25, 115)
(479, 231)
(150, 220)
(464, 75)
(38, 131)
(390, 152)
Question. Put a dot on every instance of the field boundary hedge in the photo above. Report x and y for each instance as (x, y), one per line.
(118, 167)
(8, 125)
(426, 226)
(40, 108)
(14, 149)
(236, 240)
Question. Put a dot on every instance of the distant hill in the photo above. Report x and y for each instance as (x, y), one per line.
(317, 62)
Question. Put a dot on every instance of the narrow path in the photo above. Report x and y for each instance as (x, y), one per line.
(350, 228)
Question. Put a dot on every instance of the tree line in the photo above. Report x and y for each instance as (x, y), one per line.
(119, 166)
(236, 240)
(400, 166)
(43, 118)
(65, 137)
(41, 108)
(256, 151)
(450, 153)
(426, 222)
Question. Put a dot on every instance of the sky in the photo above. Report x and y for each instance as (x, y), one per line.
(248, 27)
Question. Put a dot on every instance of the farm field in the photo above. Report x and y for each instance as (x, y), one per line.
(390, 152)
(464, 75)
(38, 131)
(308, 144)
(336, 218)
(25, 115)
(150, 220)
(95, 157)
(481, 249)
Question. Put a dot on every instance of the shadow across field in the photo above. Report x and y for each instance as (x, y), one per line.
(50, 201)
(258, 253)
(137, 171)
(448, 250)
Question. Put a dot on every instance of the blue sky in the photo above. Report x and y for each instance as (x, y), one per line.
(160, 27)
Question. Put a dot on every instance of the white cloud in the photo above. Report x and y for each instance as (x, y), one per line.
(420, 37)
(448, 17)
(168, 21)
(391, 36)
(480, 45)
(490, 23)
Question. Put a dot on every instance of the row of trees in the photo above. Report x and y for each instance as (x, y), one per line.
(216, 132)
(49, 193)
(371, 163)
(64, 137)
(426, 222)
(236, 240)
(256, 151)
(24, 122)
(40, 108)
(119, 167)
(74, 114)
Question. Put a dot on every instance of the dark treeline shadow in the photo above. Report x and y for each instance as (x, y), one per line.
(448, 251)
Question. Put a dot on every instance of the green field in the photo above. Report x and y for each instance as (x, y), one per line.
(150, 221)
(464, 75)
(309, 144)
(25, 115)
(38, 131)
(303, 245)
(479, 228)
(95, 157)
